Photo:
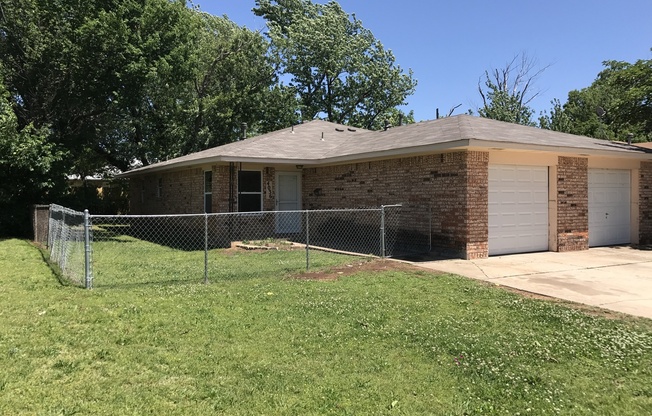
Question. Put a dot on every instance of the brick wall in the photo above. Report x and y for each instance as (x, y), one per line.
(183, 191)
(477, 205)
(443, 194)
(645, 203)
(221, 191)
(572, 204)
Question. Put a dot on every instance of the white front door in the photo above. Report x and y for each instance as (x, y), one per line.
(288, 198)
(609, 207)
(518, 209)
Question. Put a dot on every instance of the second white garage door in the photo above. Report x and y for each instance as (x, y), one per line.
(609, 207)
(518, 209)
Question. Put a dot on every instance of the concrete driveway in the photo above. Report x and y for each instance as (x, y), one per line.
(616, 278)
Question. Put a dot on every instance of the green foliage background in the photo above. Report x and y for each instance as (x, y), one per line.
(616, 106)
(93, 86)
(97, 86)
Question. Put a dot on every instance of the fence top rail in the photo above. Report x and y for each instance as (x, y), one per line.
(55, 207)
(148, 216)
(252, 213)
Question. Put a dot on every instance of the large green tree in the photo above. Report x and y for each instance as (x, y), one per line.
(26, 164)
(583, 114)
(616, 106)
(556, 118)
(339, 70)
(120, 81)
(100, 73)
(233, 81)
(631, 109)
(109, 83)
(508, 91)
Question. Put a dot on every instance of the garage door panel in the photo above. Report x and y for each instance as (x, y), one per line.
(518, 209)
(541, 197)
(609, 207)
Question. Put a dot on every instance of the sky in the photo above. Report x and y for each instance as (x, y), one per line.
(449, 44)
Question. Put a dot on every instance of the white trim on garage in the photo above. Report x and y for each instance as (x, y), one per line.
(518, 209)
(609, 207)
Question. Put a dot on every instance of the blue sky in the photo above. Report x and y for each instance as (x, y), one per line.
(449, 44)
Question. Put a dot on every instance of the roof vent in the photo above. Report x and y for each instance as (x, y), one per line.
(244, 130)
(350, 129)
(340, 130)
(387, 125)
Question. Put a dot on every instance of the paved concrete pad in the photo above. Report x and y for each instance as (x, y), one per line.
(615, 278)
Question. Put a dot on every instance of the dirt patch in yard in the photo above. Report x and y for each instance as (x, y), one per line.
(357, 266)
(268, 244)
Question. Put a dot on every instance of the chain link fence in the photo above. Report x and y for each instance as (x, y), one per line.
(181, 245)
(415, 235)
(67, 243)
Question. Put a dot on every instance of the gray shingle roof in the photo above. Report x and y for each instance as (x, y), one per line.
(478, 132)
(322, 142)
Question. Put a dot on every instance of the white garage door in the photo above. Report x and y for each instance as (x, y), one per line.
(609, 207)
(518, 209)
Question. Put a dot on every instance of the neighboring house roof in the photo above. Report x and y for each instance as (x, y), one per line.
(105, 174)
(77, 177)
(320, 142)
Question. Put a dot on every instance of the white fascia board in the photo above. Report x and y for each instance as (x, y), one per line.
(211, 160)
(580, 151)
(470, 144)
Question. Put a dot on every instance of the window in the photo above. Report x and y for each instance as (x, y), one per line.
(250, 191)
(159, 190)
(208, 191)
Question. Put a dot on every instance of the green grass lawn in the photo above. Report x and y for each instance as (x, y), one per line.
(126, 261)
(258, 341)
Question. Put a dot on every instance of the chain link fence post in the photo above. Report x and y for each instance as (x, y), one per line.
(382, 231)
(307, 242)
(88, 281)
(51, 229)
(205, 248)
(429, 228)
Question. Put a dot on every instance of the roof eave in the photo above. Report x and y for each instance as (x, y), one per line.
(211, 160)
(459, 144)
(580, 151)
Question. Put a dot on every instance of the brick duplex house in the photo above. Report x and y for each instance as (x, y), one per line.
(490, 187)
